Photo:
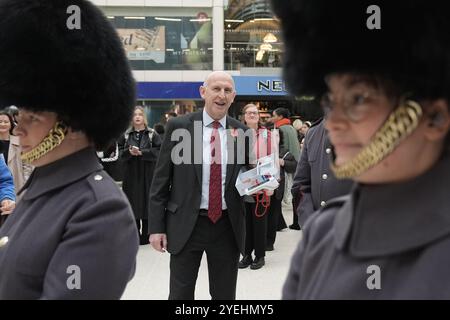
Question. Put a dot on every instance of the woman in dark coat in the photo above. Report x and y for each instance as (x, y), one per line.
(139, 149)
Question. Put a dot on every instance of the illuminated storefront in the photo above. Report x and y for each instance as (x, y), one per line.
(172, 45)
(252, 35)
(169, 39)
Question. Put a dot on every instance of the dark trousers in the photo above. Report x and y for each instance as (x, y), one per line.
(255, 230)
(143, 236)
(273, 220)
(295, 202)
(222, 253)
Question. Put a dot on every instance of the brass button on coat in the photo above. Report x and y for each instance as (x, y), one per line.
(3, 241)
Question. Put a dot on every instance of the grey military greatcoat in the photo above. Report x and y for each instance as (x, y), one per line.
(72, 236)
(381, 242)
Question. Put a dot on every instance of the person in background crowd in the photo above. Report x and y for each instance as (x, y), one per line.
(139, 149)
(170, 115)
(111, 162)
(298, 124)
(160, 129)
(196, 208)
(305, 127)
(256, 206)
(276, 220)
(7, 192)
(387, 113)
(10, 148)
(13, 111)
(314, 181)
(290, 143)
(280, 119)
(72, 235)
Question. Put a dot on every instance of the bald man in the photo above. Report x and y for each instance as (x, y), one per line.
(194, 205)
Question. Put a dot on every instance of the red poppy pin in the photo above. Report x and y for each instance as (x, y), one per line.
(234, 133)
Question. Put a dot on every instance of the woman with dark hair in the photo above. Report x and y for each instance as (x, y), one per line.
(6, 130)
(305, 127)
(386, 97)
(72, 234)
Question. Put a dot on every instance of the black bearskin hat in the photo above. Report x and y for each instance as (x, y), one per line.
(411, 50)
(82, 74)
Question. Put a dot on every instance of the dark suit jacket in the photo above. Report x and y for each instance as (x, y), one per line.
(175, 194)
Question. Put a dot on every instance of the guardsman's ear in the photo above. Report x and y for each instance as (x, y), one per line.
(438, 120)
(75, 134)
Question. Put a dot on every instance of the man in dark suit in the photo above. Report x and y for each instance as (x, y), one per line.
(194, 204)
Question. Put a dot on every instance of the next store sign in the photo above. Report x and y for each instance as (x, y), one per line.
(259, 86)
(245, 86)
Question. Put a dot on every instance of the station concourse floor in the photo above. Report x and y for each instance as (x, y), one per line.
(151, 281)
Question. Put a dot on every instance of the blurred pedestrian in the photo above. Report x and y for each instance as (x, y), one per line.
(276, 221)
(290, 143)
(7, 192)
(298, 125)
(305, 127)
(13, 111)
(160, 129)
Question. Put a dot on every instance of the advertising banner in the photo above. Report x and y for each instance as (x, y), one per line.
(144, 44)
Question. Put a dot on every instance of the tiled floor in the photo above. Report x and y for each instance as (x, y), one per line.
(152, 275)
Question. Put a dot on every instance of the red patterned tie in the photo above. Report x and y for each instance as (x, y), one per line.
(215, 176)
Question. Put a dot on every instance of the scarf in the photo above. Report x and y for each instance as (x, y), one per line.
(282, 122)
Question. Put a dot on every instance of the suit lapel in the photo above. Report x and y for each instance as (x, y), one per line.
(197, 144)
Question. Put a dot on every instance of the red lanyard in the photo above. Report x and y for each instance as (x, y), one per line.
(265, 202)
(268, 142)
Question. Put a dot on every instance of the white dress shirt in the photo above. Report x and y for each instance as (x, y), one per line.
(207, 132)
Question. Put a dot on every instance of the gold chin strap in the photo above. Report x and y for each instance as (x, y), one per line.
(54, 138)
(400, 124)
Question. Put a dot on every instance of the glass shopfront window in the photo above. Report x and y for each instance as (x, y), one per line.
(160, 41)
(252, 35)
(159, 111)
